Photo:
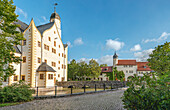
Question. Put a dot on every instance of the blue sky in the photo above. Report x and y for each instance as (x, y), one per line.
(96, 28)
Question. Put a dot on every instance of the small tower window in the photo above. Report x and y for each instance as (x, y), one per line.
(24, 59)
(54, 32)
(39, 44)
(49, 38)
(39, 60)
(59, 46)
(24, 42)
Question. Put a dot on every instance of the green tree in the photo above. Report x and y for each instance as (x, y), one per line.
(9, 37)
(83, 70)
(116, 75)
(73, 69)
(103, 65)
(94, 68)
(151, 92)
(159, 60)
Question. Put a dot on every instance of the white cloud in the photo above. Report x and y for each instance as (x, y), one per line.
(69, 44)
(78, 41)
(20, 11)
(136, 47)
(45, 19)
(108, 59)
(144, 55)
(164, 36)
(114, 44)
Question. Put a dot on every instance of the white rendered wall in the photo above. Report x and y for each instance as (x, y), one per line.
(124, 69)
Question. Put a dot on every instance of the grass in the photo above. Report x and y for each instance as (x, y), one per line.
(9, 104)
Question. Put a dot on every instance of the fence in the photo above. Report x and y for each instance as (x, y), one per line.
(72, 89)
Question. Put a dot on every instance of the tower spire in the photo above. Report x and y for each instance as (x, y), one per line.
(55, 7)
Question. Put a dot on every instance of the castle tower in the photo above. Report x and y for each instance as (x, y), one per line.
(115, 59)
(56, 18)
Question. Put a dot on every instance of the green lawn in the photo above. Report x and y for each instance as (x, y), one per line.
(9, 104)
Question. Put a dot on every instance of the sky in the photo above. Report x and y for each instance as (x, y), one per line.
(97, 28)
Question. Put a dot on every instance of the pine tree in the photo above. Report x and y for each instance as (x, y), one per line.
(9, 37)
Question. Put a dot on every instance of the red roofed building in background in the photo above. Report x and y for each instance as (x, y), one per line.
(129, 67)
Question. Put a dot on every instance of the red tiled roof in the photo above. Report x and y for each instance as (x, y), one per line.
(106, 69)
(126, 62)
(142, 66)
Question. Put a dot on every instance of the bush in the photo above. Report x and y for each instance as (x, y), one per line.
(16, 93)
(148, 93)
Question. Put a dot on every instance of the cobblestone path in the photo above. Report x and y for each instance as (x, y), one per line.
(99, 101)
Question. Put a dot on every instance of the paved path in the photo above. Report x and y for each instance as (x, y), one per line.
(99, 101)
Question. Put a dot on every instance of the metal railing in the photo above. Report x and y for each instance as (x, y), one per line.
(71, 90)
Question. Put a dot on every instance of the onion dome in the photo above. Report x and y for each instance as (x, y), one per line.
(55, 15)
(115, 55)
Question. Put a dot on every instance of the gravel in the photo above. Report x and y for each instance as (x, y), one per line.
(99, 101)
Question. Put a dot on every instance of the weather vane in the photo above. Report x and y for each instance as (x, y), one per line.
(55, 4)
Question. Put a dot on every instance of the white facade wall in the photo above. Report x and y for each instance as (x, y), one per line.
(140, 73)
(127, 69)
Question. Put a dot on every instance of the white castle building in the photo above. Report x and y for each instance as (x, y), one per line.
(129, 67)
(43, 53)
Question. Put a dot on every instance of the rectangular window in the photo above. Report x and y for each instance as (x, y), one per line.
(24, 42)
(23, 77)
(59, 46)
(39, 60)
(58, 62)
(48, 48)
(45, 61)
(55, 43)
(130, 71)
(39, 44)
(58, 75)
(126, 71)
(58, 68)
(24, 59)
(62, 55)
(50, 76)
(59, 54)
(49, 38)
(53, 50)
(41, 76)
(45, 46)
(62, 66)
(16, 78)
(53, 64)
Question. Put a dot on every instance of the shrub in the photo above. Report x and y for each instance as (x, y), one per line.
(16, 93)
(148, 93)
